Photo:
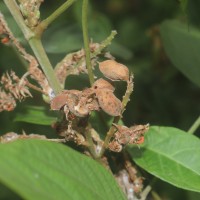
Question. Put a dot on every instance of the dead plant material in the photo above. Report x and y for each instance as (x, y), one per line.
(114, 70)
(125, 135)
(12, 136)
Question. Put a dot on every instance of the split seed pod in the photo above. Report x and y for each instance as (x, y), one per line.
(114, 70)
(66, 97)
(108, 102)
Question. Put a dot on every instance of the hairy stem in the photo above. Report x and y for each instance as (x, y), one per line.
(112, 129)
(86, 40)
(194, 126)
(46, 22)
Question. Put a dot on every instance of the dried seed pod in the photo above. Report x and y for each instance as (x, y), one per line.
(109, 102)
(132, 135)
(103, 84)
(61, 99)
(115, 146)
(114, 70)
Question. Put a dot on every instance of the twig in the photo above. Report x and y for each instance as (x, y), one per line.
(90, 142)
(35, 44)
(46, 22)
(146, 190)
(194, 126)
(86, 40)
(41, 55)
(14, 10)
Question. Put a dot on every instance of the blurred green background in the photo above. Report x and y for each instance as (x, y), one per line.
(162, 95)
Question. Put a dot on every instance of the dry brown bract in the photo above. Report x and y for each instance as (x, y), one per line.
(16, 86)
(125, 135)
(14, 89)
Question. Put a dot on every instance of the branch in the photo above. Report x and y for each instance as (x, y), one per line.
(86, 40)
(194, 126)
(46, 22)
(35, 44)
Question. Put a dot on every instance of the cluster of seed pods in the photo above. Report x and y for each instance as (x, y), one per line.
(99, 96)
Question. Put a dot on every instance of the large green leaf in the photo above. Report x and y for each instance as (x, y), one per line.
(182, 44)
(171, 155)
(35, 115)
(41, 170)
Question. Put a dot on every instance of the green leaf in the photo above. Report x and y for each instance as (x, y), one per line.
(35, 115)
(63, 38)
(41, 170)
(171, 155)
(120, 51)
(182, 45)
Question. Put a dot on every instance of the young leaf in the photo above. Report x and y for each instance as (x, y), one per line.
(182, 45)
(40, 170)
(35, 115)
(171, 155)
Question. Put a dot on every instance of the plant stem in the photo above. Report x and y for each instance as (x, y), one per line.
(42, 58)
(14, 10)
(86, 40)
(194, 126)
(46, 22)
(112, 129)
(35, 44)
(90, 142)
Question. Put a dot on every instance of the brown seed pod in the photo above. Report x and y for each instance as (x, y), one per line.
(109, 102)
(103, 84)
(114, 70)
(59, 101)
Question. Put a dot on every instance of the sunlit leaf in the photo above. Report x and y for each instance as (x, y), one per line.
(41, 170)
(171, 155)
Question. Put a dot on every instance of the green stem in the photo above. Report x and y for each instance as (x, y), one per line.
(46, 22)
(14, 10)
(86, 40)
(194, 126)
(90, 142)
(42, 58)
(35, 44)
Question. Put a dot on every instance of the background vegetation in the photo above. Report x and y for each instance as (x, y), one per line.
(162, 95)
